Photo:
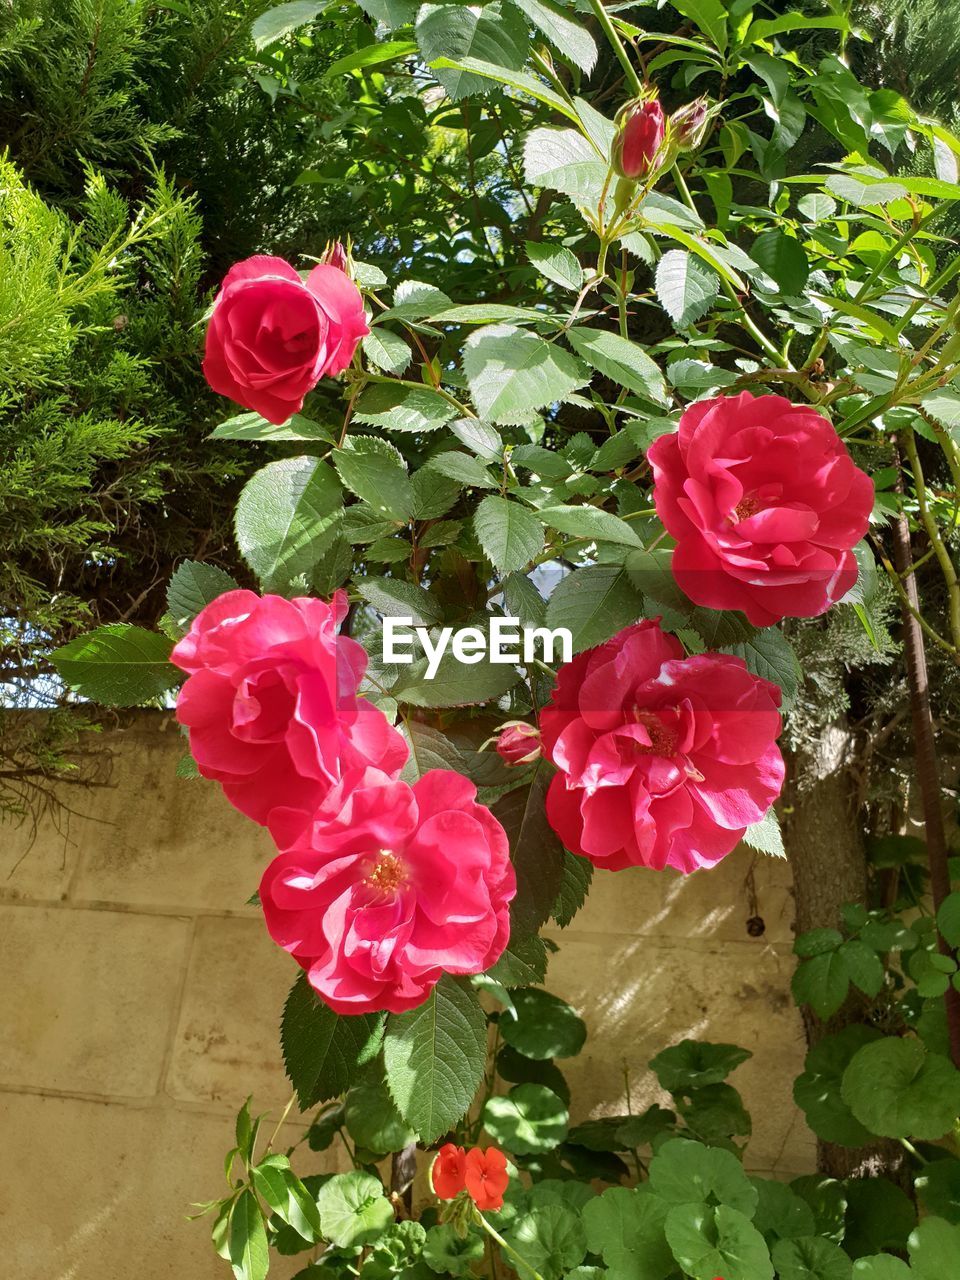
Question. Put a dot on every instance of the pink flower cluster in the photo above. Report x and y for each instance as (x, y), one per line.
(379, 887)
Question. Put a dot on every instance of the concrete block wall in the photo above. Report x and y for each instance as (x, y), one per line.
(140, 1004)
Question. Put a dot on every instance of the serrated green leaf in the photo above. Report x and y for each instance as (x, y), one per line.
(565, 33)
(556, 263)
(323, 1050)
(434, 1057)
(392, 597)
(387, 350)
(398, 408)
(118, 665)
(535, 849)
(250, 426)
(494, 33)
(589, 522)
(193, 586)
(594, 604)
(783, 259)
(622, 360)
(287, 515)
(375, 471)
(282, 19)
(510, 534)
(512, 372)
(563, 160)
(765, 836)
(685, 286)
(468, 471)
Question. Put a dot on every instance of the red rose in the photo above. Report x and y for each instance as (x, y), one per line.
(449, 1170)
(765, 504)
(518, 743)
(639, 138)
(271, 703)
(388, 888)
(272, 337)
(664, 760)
(486, 1177)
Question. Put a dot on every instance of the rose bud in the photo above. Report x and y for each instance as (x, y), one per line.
(518, 742)
(639, 138)
(334, 255)
(688, 124)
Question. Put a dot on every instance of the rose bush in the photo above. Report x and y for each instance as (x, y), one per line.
(766, 505)
(664, 760)
(388, 888)
(273, 336)
(271, 702)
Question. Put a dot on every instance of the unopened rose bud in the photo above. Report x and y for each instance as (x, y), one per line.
(518, 742)
(688, 124)
(639, 138)
(334, 255)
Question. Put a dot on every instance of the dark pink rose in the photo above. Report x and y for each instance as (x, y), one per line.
(639, 139)
(664, 760)
(518, 742)
(765, 504)
(388, 888)
(272, 336)
(271, 703)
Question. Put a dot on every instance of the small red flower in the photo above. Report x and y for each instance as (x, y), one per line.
(449, 1170)
(486, 1177)
(518, 742)
(639, 138)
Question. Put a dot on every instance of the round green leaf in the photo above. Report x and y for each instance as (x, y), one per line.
(353, 1209)
(717, 1241)
(896, 1089)
(817, 1090)
(683, 1171)
(550, 1238)
(780, 1211)
(879, 1216)
(881, 1267)
(450, 1254)
(626, 1227)
(528, 1120)
(810, 1258)
(935, 1250)
(939, 1189)
(544, 1026)
(691, 1064)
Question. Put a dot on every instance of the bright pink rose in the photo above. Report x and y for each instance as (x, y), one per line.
(664, 760)
(388, 888)
(765, 504)
(272, 337)
(271, 703)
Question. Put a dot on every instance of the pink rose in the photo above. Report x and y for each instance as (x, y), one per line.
(272, 337)
(518, 742)
(664, 760)
(765, 504)
(271, 702)
(388, 888)
(639, 139)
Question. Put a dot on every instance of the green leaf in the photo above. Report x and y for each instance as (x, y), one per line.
(353, 1209)
(693, 1064)
(371, 55)
(711, 17)
(863, 966)
(322, 1050)
(810, 1258)
(515, 79)
(567, 34)
(373, 1120)
(683, 1171)
(883, 1267)
(708, 1242)
(387, 350)
(563, 160)
(433, 495)
(511, 535)
(935, 1250)
(480, 438)
(413, 300)
(626, 1227)
(818, 1090)
(528, 1120)
(782, 258)
(376, 472)
(896, 1089)
(769, 654)
(879, 1216)
(512, 372)
(556, 263)
(287, 517)
(550, 1238)
(250, 426)
(621, 360)
(577, 877)
(938, 1186)
(394, 598)
(281, 20)
(537, 854)
(589, 522)
(193, 586)
(765, 836)
(543, 1026)
(286, 1195)
(764, 28)
(944, 405)
(118, 665)
(451, 1254)
(523, 962)
(780, 1211)
(434, 1057)
(822, 982)
(594, 604)
(249, 1252)
(495, 33)
(461, 467)
(948, 919)
(686, 286)
(399, 408)
(864, 194)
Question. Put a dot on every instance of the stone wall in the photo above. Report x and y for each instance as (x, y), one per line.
(141, 998)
